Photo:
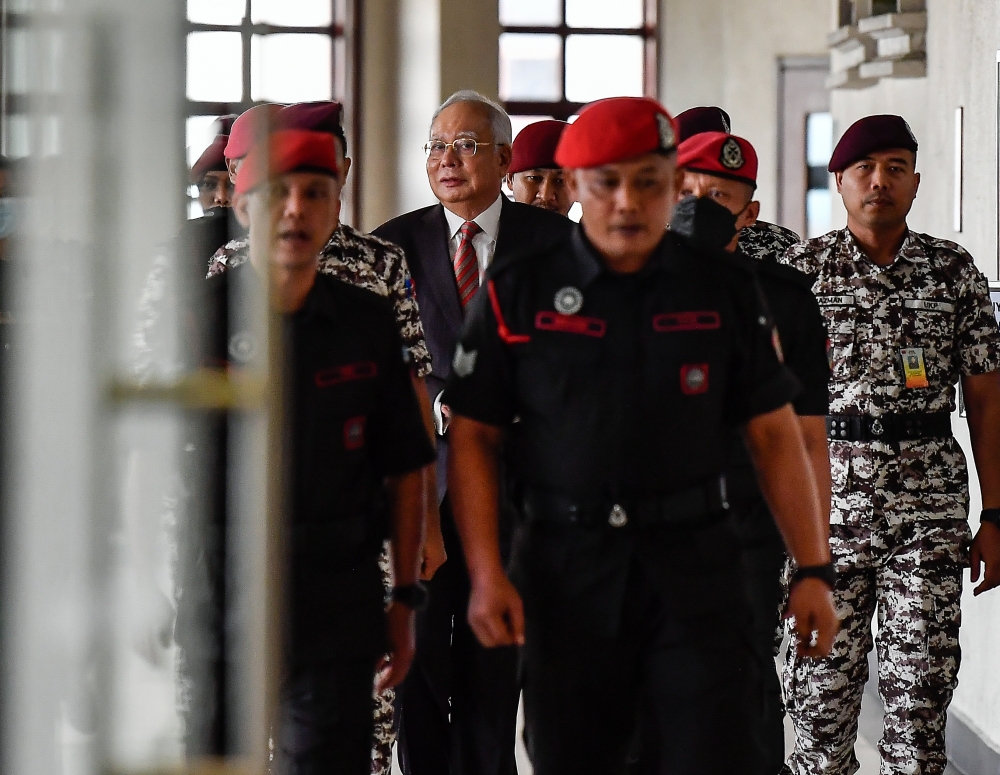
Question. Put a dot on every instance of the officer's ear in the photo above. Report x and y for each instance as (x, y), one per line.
(241, 207)
(750, 215)
(345, 168)
(232, 165)
(839, 177)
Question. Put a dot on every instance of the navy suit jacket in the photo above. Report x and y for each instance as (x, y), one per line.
(423, 236)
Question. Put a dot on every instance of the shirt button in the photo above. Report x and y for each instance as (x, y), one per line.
(617, 517)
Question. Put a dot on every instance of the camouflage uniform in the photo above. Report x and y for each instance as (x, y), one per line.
(373, 263)
(766, 240)
(898, 534)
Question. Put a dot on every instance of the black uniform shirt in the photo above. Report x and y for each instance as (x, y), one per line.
(354, 420)
(633, 395)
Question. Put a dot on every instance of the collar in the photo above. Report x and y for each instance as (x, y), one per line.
(488, 220)
(912, 250)
(590, 265)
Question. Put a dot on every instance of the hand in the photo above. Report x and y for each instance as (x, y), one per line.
(986, 551)
(392, 669)
(810, 603)
(434, 554)
(496, 613)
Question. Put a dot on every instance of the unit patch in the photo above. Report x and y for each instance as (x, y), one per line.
(242, 347)
(731, 156)
(694, 378)
(568, 300)
(354, 433)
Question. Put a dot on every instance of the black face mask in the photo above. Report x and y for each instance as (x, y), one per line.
(704, 223)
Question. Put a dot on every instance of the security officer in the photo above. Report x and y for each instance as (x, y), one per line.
(357, 447)
(908, 316)
(209, 172)
(627, 361)
(759, 239)
(533, 176)
(716, 205)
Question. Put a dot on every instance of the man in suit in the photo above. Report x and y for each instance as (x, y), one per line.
(457, 709)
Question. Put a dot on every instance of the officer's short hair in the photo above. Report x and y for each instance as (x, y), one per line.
(503, 133)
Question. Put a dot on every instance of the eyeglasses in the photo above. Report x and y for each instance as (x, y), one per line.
(463, 146)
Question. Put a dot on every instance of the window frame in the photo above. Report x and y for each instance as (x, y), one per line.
(345, 87)
(563, 109)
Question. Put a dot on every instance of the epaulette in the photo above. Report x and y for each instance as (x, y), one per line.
(936, 243)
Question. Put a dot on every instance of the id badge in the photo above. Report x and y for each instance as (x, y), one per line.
(914, 368)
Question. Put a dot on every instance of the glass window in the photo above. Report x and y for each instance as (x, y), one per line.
(198, 135)
(599, 66)
(549, 68)
(530, 13)
(819, 149)
(621, 14)
(291, 68)
(292, 13)
(227, 12)
(530, 67)
(215, 66)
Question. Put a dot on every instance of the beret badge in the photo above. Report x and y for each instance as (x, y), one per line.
(667, 137)
(731, 155)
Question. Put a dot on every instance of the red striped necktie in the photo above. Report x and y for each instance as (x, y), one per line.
(465, 262)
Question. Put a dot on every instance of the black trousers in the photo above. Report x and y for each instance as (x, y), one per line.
(327, 719)
(457, 709)
(764, 561)
(682, 659)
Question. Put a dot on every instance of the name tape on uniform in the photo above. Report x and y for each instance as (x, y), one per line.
(836, 301)
(930, 306)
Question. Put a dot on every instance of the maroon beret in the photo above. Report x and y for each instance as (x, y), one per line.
(250, 126)
(694, 121)
(868, 135)
(325, 116)
(720, 154)
(535, 146)
(212, 160)
(614, 130)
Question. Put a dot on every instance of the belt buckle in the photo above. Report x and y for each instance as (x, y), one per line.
(617, 516)
(837, 429)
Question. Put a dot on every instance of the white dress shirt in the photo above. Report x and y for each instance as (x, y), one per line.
(484, 243)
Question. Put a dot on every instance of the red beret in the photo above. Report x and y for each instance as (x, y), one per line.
(212, 160)
(325, 116)
(870, 134)
(250, 126)
(288, 150)
(614, 130)
(694, 121)
(535, 146)
(720, 154)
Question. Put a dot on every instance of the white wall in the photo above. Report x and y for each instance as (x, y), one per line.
(726, 54)
(963, 39)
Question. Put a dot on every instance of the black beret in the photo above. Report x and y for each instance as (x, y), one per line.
(695, 121)
(870, 134)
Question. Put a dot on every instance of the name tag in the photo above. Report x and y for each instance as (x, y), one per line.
(836, 301)
(930, 306)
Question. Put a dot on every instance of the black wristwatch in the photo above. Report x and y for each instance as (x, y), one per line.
(990, 515)
(824, 573)
(411, 595)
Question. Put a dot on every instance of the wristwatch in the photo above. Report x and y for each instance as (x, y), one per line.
(824, 573)
(411, 595)
(990, 515)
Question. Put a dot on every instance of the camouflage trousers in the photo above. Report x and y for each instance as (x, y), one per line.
(385, 732)
(913, 573)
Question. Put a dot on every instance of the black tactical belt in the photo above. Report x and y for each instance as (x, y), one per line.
(888, 427)
(699, 504)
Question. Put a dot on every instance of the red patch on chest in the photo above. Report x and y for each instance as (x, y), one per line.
(337, 375)
(570, 324)
(706, 320)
